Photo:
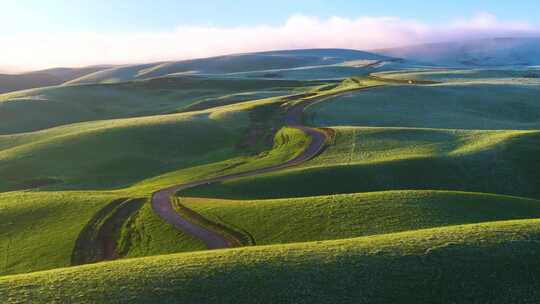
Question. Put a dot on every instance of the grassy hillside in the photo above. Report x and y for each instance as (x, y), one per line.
(230, 64)
(38, 230)
(135, 232)
(44, 108)
(421, 193)
(452, 106)
(129, 150)
(485, 76)
(43, 78)
(146, 235)
(135, 149)
(474, 53)
(360, 214)
(493, 262)
(378, 159)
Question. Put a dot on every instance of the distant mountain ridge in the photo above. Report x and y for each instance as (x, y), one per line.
(230, 64)
(43, 78)
(473, 53)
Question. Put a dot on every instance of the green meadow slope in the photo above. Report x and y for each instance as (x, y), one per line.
(493, 262)
(506, 52)
(379, 159)
(135, 149)
(493, 76)
(139, 233)
(44, 108)
(277, 221)
(137, 156)
(423, 193)
(116, 153)
(450, 106)
(263, 63)
(43, 78)
(38, 230)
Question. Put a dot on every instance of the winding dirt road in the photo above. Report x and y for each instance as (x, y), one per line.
(162, 205)
(161, 200)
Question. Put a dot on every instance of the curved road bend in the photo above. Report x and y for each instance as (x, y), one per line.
(162, 205)
(161, 200)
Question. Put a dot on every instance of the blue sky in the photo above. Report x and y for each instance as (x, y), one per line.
(140, 15)
(48, 33)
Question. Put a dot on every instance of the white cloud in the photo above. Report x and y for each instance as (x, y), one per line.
(490, 22)
(40, 50)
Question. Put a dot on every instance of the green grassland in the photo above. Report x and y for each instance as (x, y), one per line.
(335, 72)
(39, 109)
(425, 193)
(492, 262)
(339, 71)
(360, 214)
(43, 78)
(378, 159)
(148, 235)
(130, 150)
(525, 75)
(142, 235)
(189, 146)
(452, 106)
(222, 65)
(38, 230)
(136, 157)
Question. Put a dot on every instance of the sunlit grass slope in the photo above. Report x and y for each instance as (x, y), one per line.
(456, 106)
(43, 78)
(501, 76)
(147, 234)
(378, 159)
(493, 262)
(360, 214)
(136, 149)
(48, 107)
(32, 235)
(221, 65)
(115, 153)
(38, 230)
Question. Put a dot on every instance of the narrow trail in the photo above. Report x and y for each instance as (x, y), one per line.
(98, 240)
(162, 203)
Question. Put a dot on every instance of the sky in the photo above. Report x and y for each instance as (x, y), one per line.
(37, 34)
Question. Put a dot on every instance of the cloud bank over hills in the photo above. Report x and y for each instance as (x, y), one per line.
(39, 50)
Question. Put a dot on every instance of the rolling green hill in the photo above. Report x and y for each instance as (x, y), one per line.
(264, 61)
(529, 75)
(278, 221)
(130, 150)
(139, 231)
(136, 149)
(38, 230)
(493, 262)
(452, 106)
(43, 78)
(378, 159)
(421, 190)
(38, 109)
(494, 52)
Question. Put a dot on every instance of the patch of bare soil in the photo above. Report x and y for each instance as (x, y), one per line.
(98, 240)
